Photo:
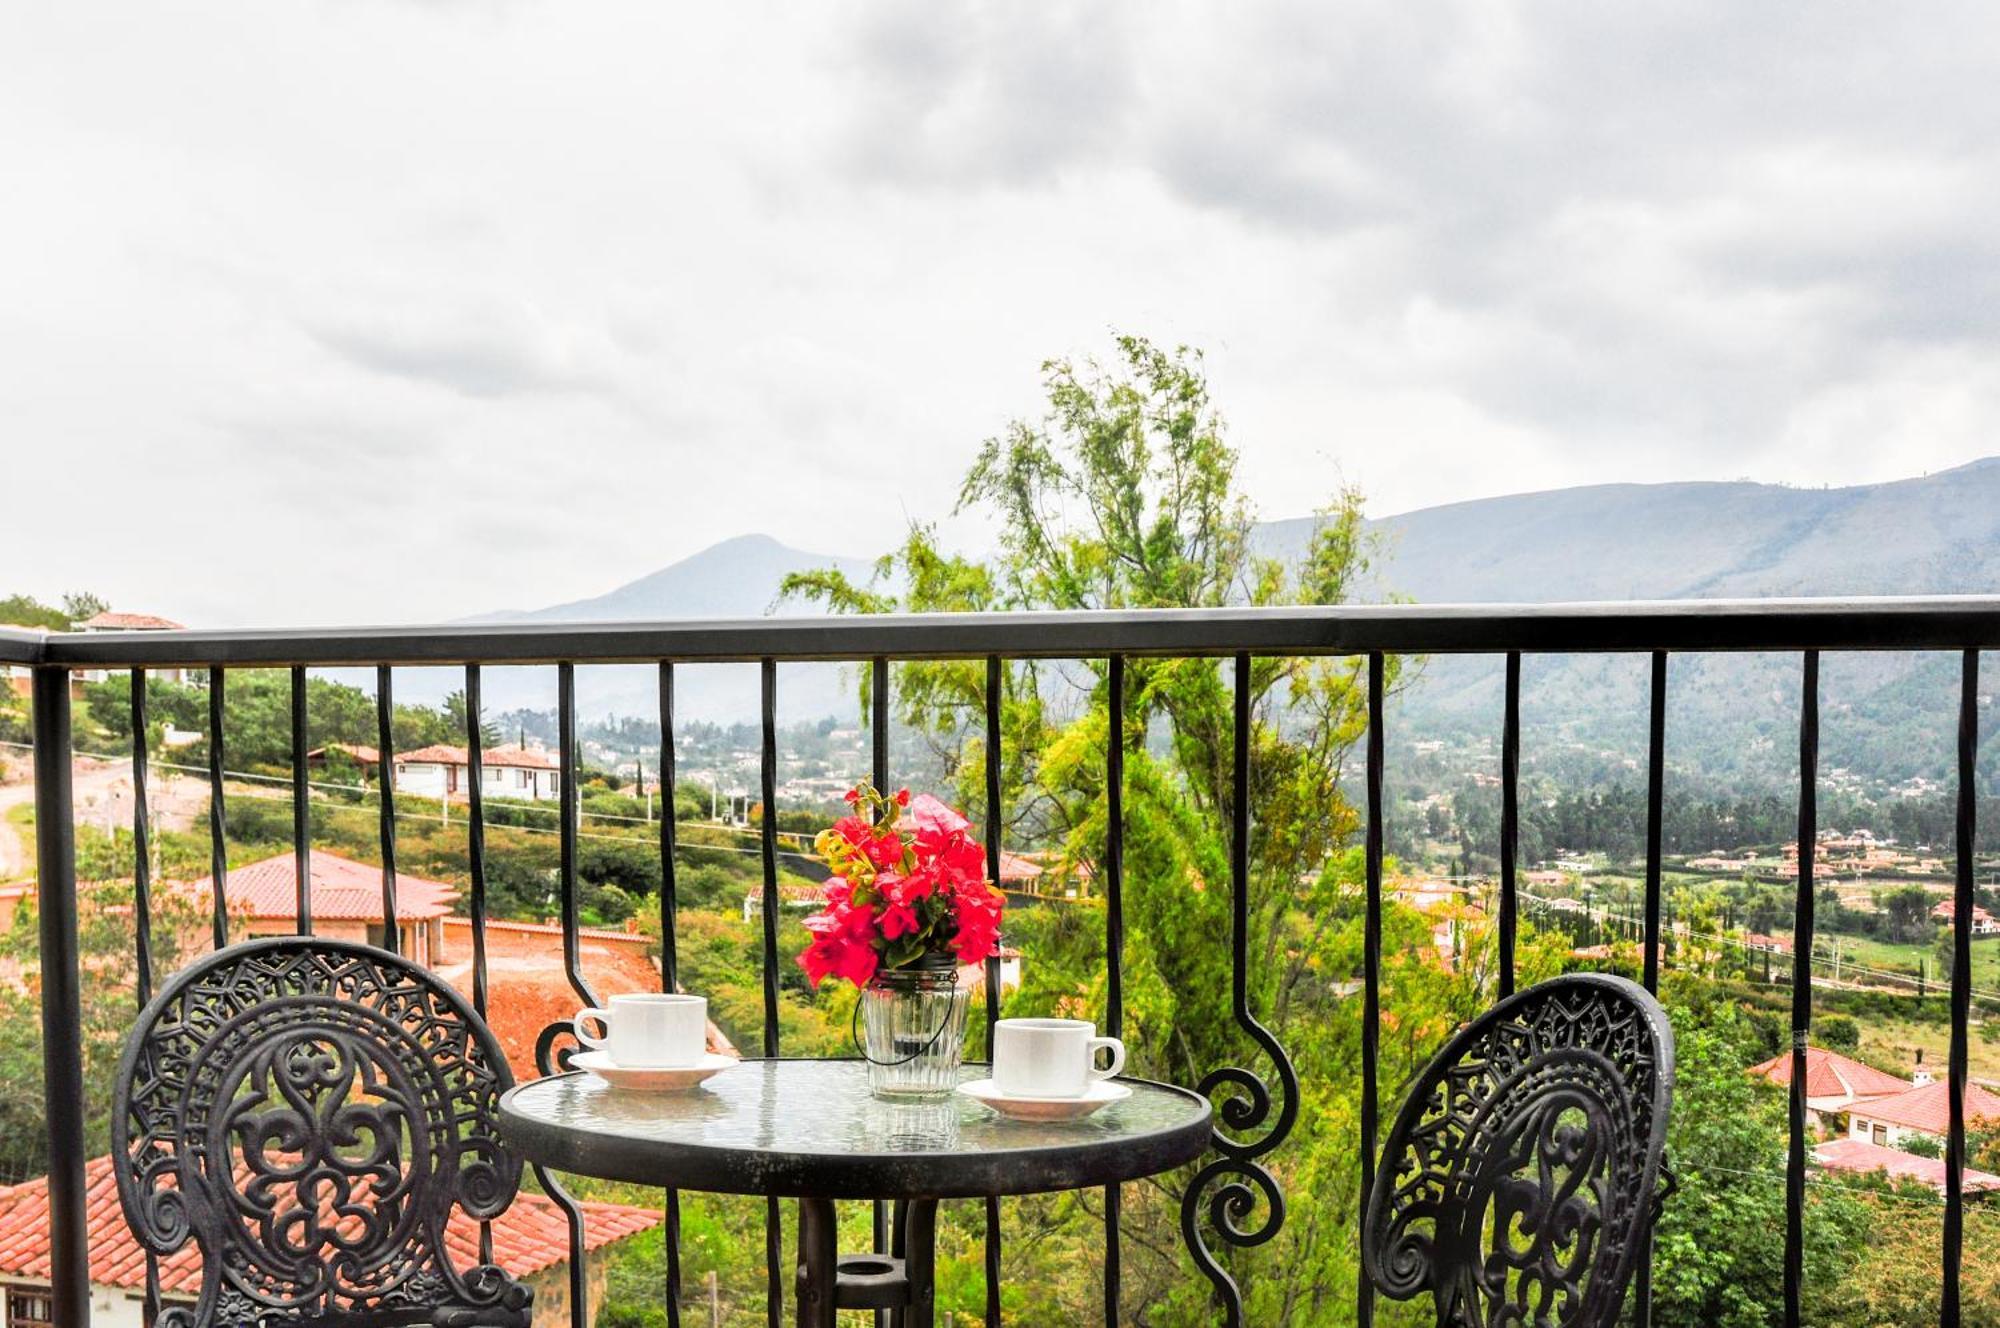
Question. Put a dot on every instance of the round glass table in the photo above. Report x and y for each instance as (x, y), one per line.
(811, 1130)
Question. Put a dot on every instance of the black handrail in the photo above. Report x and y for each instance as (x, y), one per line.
(1944, 622)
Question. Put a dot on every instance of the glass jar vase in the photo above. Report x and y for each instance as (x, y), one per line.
(913, 1032)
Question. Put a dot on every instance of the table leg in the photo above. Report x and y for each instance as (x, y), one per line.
(916, 1241)
(818, 1256)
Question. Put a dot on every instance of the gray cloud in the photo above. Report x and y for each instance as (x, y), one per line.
(1664, 225)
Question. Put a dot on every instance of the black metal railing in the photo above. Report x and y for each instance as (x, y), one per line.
(1253, 1119)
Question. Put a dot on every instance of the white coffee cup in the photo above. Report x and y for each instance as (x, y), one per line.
(1051, 1057)
(648, 1030)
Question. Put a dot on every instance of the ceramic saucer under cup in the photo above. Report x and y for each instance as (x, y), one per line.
(652, 1078)
(1101, 1093)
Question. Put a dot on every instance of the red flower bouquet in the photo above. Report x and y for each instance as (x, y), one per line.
(909, 890)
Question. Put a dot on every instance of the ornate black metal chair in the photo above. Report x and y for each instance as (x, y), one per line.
(1526, 1167)
(309, 1112)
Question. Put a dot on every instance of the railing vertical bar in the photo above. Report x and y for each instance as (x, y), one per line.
(878, 741)
(1114, 945)
(142, 922)
(62, 999)
(1656, 794)
(570, 804)
(1510, 821)
(475, 831)
(1802, 945)
(475, 852)
(1963, 899)
(670, 980)
(1371, 964)
(995, 757)
(767, 839)
(301, 804)
(774, 1244)
(669, 882)
(218, 811)
(142, 847)
(385, 784)
(1656, 784)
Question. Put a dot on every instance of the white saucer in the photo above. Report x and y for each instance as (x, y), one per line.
(1101, 1093)
(652, 1079)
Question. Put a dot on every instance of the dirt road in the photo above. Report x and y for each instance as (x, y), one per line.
(102, 794)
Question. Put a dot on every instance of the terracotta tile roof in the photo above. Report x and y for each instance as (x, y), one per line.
(365, 755)
(1014, 867)
(1928, 1108)
(129, 622)
(1830, 1074)
(1858, 1155)
(529, 989)
(531, 1236)
(342, 891)
(507, 757)
(436, 754)
(526, 758)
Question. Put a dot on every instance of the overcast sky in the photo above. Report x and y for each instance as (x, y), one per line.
(371, 311)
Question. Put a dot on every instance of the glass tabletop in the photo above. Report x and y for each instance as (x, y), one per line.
(811, 1128)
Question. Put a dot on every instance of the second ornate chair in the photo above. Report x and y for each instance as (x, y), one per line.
(1524, 1171)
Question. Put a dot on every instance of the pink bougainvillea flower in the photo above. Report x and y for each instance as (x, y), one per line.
(935, 821)
(926, 881)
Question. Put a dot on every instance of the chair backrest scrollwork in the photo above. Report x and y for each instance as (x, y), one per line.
(1522, 1175)
(309, 1112)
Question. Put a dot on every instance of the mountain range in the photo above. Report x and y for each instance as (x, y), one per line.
(1934, 534)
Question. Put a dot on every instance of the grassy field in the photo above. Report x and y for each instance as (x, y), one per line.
(1906, 958)
(1896, 1042)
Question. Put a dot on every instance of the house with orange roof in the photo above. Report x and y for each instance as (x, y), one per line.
(1923, 1110)
(263, 898)
(1983, 922)
(444, 771)
(1834, 1083)
(530, 1240)
(361, 754)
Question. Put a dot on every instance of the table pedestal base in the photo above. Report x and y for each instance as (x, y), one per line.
(900, 1281)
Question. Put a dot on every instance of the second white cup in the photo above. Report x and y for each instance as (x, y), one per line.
(648, 1030)
(1051, 1057)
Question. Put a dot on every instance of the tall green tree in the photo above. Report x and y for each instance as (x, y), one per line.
(1124, 494)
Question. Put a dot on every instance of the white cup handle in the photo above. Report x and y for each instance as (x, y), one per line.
(584, 1035)
(1117, 1050)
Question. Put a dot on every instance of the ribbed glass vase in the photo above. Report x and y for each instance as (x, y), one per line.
(913, 1032)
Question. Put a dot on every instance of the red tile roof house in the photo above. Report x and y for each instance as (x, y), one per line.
(346, 902)
(1859, 1157)
(1923, 1110)
(442, 771)
(530, 1240)
(1834, 1083)
(131, 622)
(1983, 923)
